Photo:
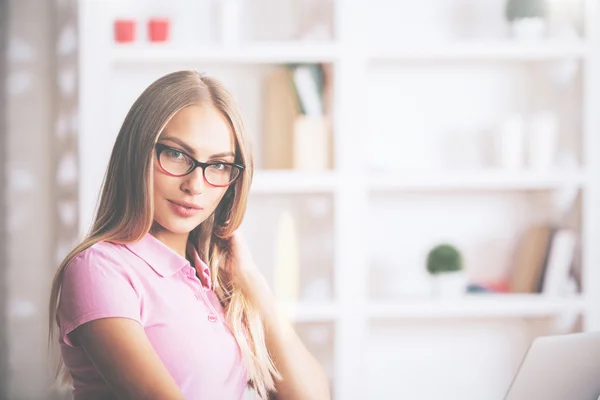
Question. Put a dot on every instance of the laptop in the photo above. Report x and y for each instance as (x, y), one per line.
(561, 367)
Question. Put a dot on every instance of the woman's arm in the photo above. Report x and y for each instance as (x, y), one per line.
(303, 377)
(122, 353)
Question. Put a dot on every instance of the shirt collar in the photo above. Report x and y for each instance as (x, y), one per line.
(165, 261)
(201, 267)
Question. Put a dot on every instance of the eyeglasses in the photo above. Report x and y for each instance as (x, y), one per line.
(177, 163)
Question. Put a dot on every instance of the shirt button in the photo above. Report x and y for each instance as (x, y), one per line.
(212, 317)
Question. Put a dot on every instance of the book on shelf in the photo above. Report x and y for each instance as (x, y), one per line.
(281, 109)
(297, 132)
(543, 260)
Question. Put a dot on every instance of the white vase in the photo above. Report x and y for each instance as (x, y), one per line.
(449, 284)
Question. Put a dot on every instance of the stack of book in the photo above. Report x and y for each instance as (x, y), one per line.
(297, 132)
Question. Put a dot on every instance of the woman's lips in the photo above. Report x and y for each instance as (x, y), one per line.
(184, 209)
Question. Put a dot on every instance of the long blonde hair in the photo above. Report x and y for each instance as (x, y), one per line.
(125, 211)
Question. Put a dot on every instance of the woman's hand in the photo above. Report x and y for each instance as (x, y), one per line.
(246, 274)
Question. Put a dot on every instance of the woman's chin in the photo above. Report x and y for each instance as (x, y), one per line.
(180, 227)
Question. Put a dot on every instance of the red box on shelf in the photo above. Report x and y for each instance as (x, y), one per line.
(158, 29)
(124, 30)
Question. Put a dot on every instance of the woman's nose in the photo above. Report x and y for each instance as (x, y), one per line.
(194, 182)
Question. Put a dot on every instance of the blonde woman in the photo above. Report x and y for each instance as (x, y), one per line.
(162, 299)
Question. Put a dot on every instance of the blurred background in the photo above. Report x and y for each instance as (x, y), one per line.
(427, 188)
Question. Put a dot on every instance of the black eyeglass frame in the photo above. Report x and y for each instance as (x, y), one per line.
(160, 147)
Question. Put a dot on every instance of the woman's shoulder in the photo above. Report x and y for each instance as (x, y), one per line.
(100, 254)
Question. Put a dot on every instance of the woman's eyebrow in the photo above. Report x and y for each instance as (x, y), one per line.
(180, 142)
(191, 151)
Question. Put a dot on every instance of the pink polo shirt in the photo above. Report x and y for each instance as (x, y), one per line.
(149, 283)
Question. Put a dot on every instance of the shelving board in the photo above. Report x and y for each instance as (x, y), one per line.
(290, 181)
(309, 311)
(269, 53)
(475, 180)
(483, 50)
(479, 306)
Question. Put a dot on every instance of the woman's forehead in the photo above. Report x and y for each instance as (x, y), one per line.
(200, 130)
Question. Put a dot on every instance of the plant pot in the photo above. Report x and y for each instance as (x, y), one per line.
(529, 29)
(449, 284)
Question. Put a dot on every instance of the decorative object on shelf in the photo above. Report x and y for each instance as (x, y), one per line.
(124, 30)
(478, 288)
(158, 29)
(527, 18)
(511, 143)
(230, 12)
(543, 141)
(499, 286)
(287, 259)
(445, 265)
(297, 129)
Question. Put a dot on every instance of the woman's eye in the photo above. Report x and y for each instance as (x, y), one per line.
(219, 166)
(174, 153)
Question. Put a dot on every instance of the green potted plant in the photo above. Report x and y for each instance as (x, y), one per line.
(445, 266)
(527, 18)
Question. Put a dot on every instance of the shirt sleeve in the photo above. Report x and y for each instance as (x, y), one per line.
(95, 285)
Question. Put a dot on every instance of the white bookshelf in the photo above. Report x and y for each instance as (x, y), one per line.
(351, 312)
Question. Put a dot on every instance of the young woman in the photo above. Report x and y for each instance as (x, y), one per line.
(162, 299)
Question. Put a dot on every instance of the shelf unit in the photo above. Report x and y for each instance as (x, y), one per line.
(350, 183)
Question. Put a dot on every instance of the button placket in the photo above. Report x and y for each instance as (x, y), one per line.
(212, 315)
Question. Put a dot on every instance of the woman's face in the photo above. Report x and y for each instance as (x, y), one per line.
(183, 203)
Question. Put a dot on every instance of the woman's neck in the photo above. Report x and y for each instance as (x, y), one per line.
(175, 241)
